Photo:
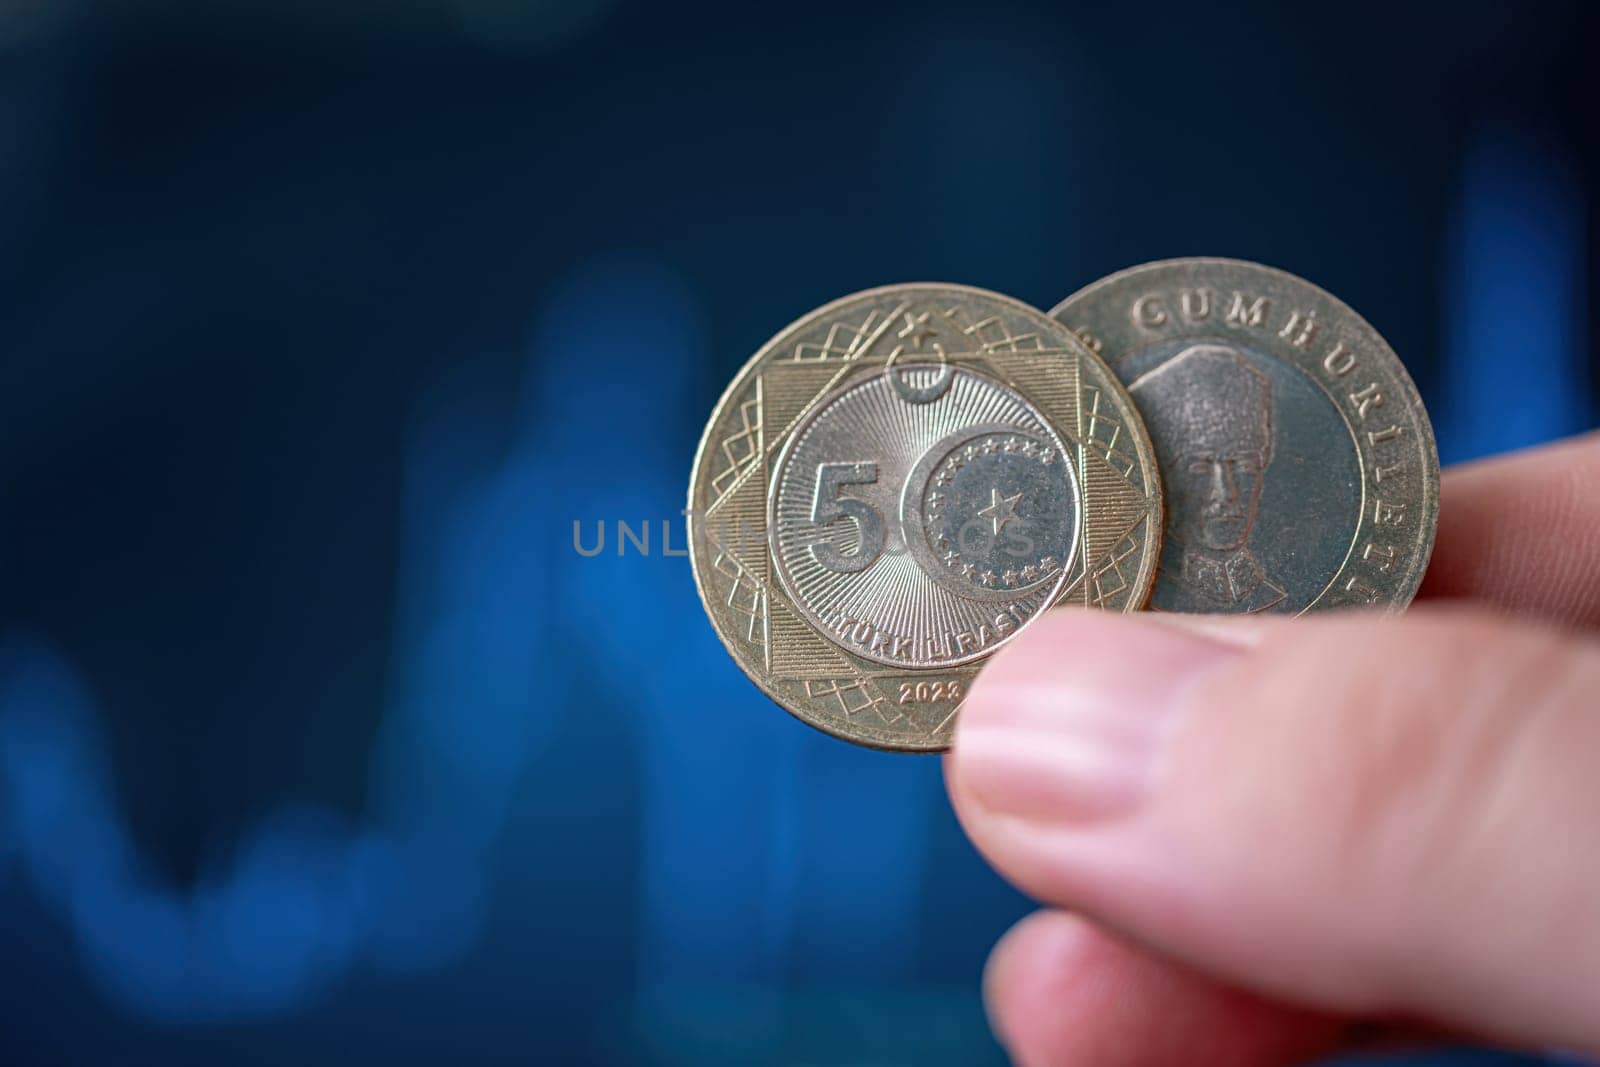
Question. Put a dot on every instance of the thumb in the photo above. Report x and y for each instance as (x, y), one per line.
(1369, 815)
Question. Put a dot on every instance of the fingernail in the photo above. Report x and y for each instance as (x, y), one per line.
(1067, 724)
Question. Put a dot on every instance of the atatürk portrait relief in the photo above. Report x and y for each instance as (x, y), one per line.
(1210, 417)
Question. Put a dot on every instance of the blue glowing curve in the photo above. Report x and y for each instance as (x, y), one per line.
(308, 896)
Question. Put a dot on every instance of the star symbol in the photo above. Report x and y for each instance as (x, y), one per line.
(1048, 563)
(987, 577)
(917, 330)
(1001, 509)
(1029, 448)
(966, 570)
(1030, 572)
(1009, 577)
(1047, 458)
(988, 447)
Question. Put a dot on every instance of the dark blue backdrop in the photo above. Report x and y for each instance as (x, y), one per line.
(322, 323)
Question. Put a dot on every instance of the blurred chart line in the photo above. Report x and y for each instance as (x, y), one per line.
(307, 896)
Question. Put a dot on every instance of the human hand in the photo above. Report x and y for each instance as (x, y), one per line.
(1280, 836)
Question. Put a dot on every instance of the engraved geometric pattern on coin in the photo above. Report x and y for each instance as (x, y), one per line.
(899, 481)
(1298, 462)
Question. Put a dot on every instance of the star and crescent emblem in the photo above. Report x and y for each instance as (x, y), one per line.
(1001, 510)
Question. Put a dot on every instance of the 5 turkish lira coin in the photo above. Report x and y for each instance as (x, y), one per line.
(896, 484)
(1299, 464)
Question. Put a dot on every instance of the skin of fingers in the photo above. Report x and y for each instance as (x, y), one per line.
(1057, 1009)
(1062, 993)
(1521, 532)
(1369, 816)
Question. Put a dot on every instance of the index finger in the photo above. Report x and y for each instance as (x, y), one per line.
(1521, 532)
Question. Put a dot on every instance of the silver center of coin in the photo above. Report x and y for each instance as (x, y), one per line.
(922, 515)
(996, 509)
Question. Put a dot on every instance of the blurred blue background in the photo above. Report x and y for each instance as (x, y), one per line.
(321, 323)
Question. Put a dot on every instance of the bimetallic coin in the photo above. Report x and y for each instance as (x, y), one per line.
(1299, 464)
(895, 485)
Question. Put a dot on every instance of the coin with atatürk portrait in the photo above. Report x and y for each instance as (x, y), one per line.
(895, 485)
(1298, 462)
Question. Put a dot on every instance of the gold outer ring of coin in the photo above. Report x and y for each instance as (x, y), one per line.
(837, 681)
(1393, 512)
